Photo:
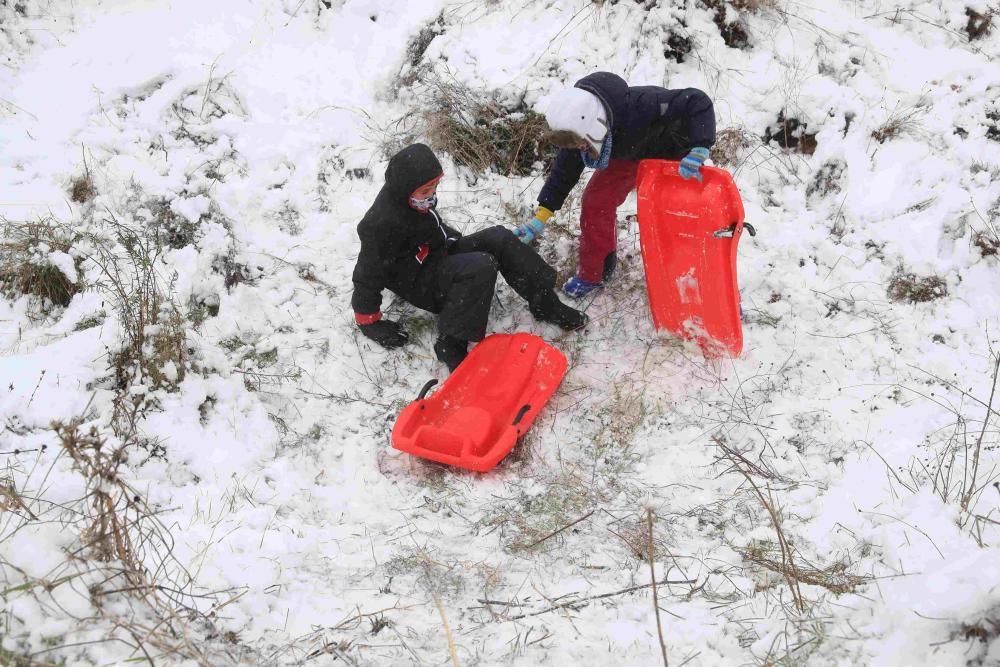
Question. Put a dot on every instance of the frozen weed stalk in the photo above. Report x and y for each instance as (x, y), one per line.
(116, 577)
(154, 350)
(961, 466)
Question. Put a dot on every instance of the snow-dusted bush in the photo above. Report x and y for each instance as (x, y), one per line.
(480, 129)
(110, 570)
(35, 260)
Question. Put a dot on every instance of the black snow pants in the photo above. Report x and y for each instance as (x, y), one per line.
(460, 285)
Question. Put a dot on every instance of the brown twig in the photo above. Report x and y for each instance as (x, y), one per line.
(573, 603)
(656, 597)
(788, 568)
(559, 530)
(447, 631)
(967, 498)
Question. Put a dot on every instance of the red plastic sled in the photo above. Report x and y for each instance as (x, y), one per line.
(689, 232)
(477, 415)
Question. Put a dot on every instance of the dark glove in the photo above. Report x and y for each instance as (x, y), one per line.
(386, 333)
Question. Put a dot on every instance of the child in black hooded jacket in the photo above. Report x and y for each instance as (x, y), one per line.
(407, 248)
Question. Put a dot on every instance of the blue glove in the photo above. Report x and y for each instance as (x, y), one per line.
(530, 231)
(691, 164)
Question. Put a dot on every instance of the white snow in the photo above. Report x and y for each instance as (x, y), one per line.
(259, 129)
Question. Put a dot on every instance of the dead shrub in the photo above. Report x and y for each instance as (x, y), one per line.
(120, 573)
(478, 128)
(677, 47)
(754, 5)
(900, 122)
(787, 566)
(993, 124)
(82, 189)
(987, 630)
(26, 266)
(106, 535)
(733, 31)
(908, 287)
(418, 45)
(988, 244)
(730, 145)
(979, 25)
(790, 133)
(828, 179)
(509, 143)
(174, 231)
(154, 350)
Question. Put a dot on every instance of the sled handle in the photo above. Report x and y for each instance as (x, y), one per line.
(521, 412)
(730, 231)
(426, 388)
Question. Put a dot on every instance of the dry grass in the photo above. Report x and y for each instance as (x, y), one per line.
(106, 533)
(835, 578)
(908, 287)
(479, 128)
(754, 5)
(82, 189)
(154, 349)
(528, 521)
(25, 264)
(988, 244)
(827, 180)
(979, 25)
(136, 595)
(900, 122)
(730, 146)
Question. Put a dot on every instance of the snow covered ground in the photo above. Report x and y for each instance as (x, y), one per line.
(830, 497)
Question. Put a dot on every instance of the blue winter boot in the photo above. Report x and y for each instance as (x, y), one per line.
(577, 287)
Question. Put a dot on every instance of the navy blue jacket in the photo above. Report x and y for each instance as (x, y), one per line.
(645, 121)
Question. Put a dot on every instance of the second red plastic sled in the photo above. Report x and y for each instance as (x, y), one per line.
(689, 231)
(480, 411)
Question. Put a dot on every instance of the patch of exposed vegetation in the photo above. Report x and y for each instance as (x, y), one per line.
(730, 145)
(828, 179)
(980, 24)
(483, 132)
(790, 133)
(27, 261)
(908, 287)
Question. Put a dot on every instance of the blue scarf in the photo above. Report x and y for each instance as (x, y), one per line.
(603, 159)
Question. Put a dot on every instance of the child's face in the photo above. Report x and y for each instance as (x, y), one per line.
(426, 191)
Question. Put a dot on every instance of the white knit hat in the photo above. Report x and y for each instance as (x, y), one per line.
(580, 112)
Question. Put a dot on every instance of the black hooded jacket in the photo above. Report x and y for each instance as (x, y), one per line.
(645, 121)
(398, 242)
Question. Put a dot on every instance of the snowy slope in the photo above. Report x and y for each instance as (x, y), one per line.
(256, 133)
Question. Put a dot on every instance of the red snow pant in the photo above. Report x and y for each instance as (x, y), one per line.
(605, 192)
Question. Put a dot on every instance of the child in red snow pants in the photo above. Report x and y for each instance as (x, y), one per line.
(607, 190)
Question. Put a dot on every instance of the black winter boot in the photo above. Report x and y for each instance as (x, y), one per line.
(610, 262)
(451, 351)
(551, 309)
